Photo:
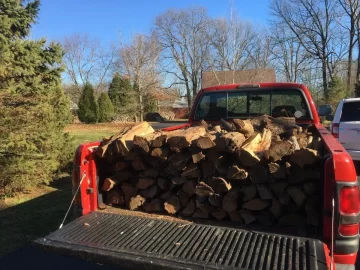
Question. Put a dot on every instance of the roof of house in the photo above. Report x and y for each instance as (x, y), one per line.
(213, 78)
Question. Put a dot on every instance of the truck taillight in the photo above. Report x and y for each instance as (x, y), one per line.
(349, 200)
(335, 130)
(349, 210)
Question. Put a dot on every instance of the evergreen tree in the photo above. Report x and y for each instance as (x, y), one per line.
(337, 91)
(122, 95)
(33, 108)
(88, 111)
(106, 109)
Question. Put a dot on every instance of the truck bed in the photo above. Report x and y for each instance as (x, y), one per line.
(141, 242)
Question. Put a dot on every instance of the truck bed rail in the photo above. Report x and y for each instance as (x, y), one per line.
(145, 243)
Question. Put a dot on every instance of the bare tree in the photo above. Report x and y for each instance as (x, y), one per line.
(86, 61)
(314, 24)
(351, 9)
(139, 61)
(181, 35)
(288, 55)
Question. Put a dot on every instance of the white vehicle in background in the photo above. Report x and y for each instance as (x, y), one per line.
(346, 126)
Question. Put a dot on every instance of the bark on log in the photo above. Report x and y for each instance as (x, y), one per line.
(190, 208)
(189, 187)
(191, 171)
(304, 157)
(136, 202)
(226, 125)
(203, 190)
(129, 192)
(178, 180)
(219, 213)
(183, 138)
(156, 205)
(244, 126)
(264, 192)
(115, 197)
(256, 205)
(236, 173)
(151, 192)
(248, 192)
(230, 201)
(178, 161)
(207, 169)
(144, 183)
(204, 142)
(172, 205)
(215, 200)
(218, 184)
(279, 149)
(230, 141)
(247, 216)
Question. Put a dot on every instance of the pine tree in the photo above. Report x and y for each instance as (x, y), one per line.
(122, 95)
(88, 111)
(106, 108)
(33, 108)
(337, 91)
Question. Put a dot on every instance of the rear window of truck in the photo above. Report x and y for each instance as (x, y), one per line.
(350, 112)
(243, 104)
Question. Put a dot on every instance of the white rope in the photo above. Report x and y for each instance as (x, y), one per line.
(72, 201)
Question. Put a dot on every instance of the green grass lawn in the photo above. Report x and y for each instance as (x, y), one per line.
(84, 136)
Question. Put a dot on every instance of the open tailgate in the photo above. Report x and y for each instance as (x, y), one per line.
(146, 243)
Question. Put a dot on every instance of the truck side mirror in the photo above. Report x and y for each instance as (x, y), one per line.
(329, 117)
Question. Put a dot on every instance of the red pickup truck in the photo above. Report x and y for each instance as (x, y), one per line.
(153, 241)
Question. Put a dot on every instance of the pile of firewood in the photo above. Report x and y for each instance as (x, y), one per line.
(264, 170)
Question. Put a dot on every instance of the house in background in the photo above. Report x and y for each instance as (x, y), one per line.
(213, 78)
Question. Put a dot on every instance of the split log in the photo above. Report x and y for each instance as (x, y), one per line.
(295, 144)
(312, 216)
(310, 188)
(235, 216)
(230, 201)
(189, 187)
(277, 170)
(297, 195)
(304, 157)
(126, 141)
(315, 144)
(247, 216)
(159, 141)
(150, 192)
(312, 174)
(104, 145)
(278, 188)
(178, 180)
(219, 213)
(166, 196)
(144, 183)
(200, 214)
(255, 205)
(212, 155)
(191, 171)
(258, 174)
(183, 138)
(207, 168)
(205, 142)
(248, 192)
(190, 208)
(163, 183)
(276, 208)
(172, 205)
(129, 192)
(138, 165)
(264, 192)
(236, 173)
(217, 128)
(178, 161)
(118, 178)
(203, 190)
(151, 173)
(161, 153)
(156, 205)
(183, 197)
(218, 184)
(230, 141)
(115, 197)
(222, 164)
(196, 154)
(279, 149)
(215, 200)
(244, 126)
(247, 156)
(297, 174)
(292, 220)
(226, 125)
(136, 202)
(284, 198)
(120, 165)
(205, 207)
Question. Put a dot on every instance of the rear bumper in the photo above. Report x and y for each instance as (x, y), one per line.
(355, 154)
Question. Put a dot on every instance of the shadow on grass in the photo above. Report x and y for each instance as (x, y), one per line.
(35, 218)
